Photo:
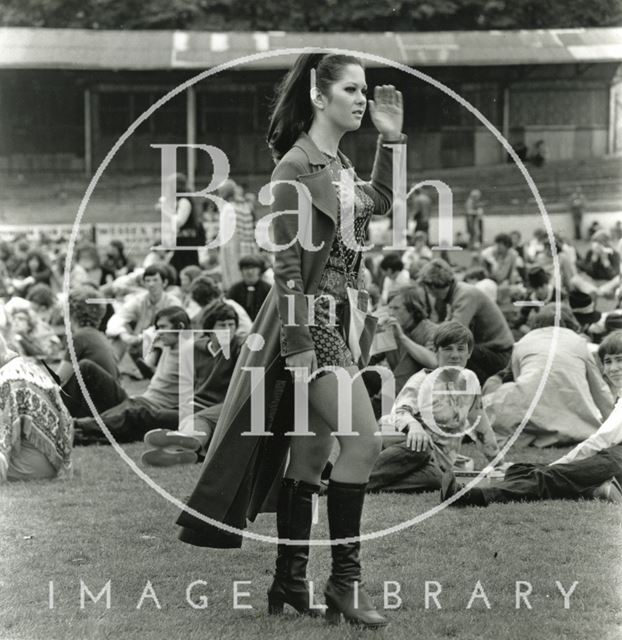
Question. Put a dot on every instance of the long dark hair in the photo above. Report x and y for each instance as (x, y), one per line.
(292, 111)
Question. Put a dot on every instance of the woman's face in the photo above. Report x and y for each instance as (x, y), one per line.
(346, 104)
(33, 264)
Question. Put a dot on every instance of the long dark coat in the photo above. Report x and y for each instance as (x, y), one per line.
(241, 474)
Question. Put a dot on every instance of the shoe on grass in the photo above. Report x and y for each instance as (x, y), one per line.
(166, 437)
(609, 491)
(168, 457)
(474, 497)
(449, 485)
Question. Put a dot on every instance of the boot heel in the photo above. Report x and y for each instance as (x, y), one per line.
(275, 605)
(333, 616)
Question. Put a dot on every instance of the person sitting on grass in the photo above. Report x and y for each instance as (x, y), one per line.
(434, 411)
(186, 277)
(207, 294)
(45, 304)
(602, 261)
(540, 291)
(417, 255)
(93, 353)
(468, 305)
(413, 333)
(125, 328)
(35, 269)
(479, 277)
(502, 260)
(215, 356)
(159, 405)
(592, 470)
(575, 398)
(394, 275)
(29, 334)
(35, 431)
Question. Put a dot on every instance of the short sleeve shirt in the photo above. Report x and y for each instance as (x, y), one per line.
(446, 409)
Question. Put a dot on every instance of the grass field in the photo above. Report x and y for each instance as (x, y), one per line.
(107, 524)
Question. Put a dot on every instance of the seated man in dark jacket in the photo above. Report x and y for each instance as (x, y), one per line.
(474, 309)
(251, 291)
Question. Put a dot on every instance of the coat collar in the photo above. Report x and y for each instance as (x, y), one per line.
(315, 156)
(319, 179)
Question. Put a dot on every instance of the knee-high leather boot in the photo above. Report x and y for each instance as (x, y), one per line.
(293, 521)
(344, 591)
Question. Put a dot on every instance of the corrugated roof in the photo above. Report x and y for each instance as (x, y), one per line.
(24, 48)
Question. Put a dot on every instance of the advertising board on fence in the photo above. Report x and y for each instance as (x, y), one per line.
(9, 232)
(137, 237)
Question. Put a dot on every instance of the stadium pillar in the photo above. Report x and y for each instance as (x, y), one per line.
(613, 145)
(88, 133)
(191, 134)
(505, 122)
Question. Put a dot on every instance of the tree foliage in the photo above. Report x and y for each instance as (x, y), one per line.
(306, 15)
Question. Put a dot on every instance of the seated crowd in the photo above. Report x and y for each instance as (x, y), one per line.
(469, 347)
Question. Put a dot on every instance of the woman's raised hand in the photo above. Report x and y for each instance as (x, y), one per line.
(387, 111)
(304, 360)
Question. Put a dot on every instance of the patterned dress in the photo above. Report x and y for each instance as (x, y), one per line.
(342, 270)
(32, 411)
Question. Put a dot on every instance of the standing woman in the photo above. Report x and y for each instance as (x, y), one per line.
(190, 229)
(242, 476)
(230, 252)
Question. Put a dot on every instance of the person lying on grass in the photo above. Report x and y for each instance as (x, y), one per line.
(215, 356)
(593, 469)
(435, 410)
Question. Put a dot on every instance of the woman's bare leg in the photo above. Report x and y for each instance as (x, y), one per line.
(344, 594)
(358, 452)
(308, 454)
